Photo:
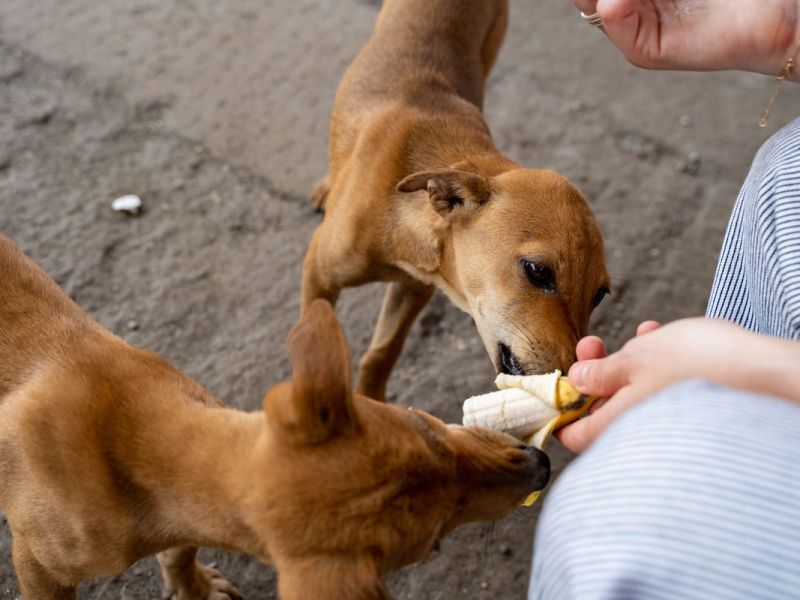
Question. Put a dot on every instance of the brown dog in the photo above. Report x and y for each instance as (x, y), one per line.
(417, 194)
(108, 454)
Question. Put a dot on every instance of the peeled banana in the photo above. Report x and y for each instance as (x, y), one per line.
(529, 407)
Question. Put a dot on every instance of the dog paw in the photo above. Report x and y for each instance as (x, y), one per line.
(219, 588)
(206, 583)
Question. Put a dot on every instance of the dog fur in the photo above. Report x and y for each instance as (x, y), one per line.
(109, 454)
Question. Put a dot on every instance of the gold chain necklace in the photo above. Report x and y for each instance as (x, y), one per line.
(782, 76)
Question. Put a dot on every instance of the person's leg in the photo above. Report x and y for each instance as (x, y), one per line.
(757, 283)
(692, 494)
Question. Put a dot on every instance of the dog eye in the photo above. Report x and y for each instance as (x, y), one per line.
(540, 276)
(598, 297)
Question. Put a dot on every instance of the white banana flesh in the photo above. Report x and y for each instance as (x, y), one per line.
(529, 407)
(523, 406)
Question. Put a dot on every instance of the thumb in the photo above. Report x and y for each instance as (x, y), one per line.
(590, 347)
(601, 377)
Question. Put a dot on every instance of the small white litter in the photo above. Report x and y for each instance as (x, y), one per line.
(131, 204)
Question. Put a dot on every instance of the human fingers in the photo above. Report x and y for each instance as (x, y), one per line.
(597, 405)
(590, 347)
(634, 27)
(601, 377)
(579, 435)
(647, 327)
(587, 7)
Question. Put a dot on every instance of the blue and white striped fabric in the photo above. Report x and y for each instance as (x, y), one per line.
(694, 494)
(757, 284)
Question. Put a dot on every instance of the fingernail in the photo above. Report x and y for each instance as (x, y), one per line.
(577, 374)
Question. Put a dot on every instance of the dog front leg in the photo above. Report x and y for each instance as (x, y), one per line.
(401, 305)
(494, 37)
(187, 579)
(318, 274)
(35, 581)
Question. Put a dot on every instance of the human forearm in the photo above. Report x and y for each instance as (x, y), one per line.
(768, 365)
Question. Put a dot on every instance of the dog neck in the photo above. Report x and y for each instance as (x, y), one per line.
(203, 465)
(173, 457)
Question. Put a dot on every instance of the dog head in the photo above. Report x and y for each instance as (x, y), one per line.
(362, 487)
(522, 253)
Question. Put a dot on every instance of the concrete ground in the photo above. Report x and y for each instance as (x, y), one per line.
(215, 113)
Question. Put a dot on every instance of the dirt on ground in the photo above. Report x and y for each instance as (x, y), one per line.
(215, 113)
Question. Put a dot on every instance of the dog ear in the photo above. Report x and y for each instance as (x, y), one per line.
(450, 189)
(318, 403)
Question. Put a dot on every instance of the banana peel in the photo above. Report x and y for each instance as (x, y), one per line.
(529, 407)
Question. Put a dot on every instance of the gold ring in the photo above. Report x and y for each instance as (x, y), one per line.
(594, 19)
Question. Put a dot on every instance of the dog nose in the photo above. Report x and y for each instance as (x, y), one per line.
(538, 468)
(509, 363)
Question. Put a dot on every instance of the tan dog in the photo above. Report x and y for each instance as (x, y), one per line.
(417, 194)
(108, 454)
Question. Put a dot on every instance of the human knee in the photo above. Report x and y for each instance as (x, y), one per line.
(673, 486)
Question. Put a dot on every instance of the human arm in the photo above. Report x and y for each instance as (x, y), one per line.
(710, 349)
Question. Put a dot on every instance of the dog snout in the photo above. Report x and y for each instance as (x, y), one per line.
(508, 361)
(537, 468)
(534, 363)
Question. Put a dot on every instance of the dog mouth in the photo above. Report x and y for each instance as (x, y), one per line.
(509, 364)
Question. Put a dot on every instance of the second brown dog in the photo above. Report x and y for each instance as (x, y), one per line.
(418, 195)
(108, 454)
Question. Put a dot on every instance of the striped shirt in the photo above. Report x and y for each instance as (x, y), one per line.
(757, 284)
(692, 495)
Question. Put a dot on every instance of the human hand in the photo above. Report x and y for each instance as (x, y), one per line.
(660, 356)
(702, 35)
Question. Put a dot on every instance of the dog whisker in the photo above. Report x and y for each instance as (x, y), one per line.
(518, 332)
(529, 336)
